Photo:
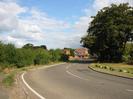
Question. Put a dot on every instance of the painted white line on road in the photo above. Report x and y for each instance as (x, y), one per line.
(36, 93)
(75, 75)
(130, 90)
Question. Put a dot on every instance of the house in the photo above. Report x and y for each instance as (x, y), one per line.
(66, 51)
(81, 53)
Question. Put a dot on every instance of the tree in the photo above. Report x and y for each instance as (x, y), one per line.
(44, 47)
(109, 32)
(28, 45)
(55, 54)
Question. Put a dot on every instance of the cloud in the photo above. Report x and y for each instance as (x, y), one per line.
(21, 25)
(8, 16)
(46, 22)
(80, 27)
(98, 4)
(32, 28)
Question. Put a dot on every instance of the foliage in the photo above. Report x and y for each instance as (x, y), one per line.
(19, 57)
(127, 57)
(130, 58)
(64, 57)
(28, 45)
(55, 55)
(71, 51)
(109, 32)
(31, 46)
(42, 57)
(8, 80)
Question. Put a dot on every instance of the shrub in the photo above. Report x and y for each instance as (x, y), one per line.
(64, 57)
(119, 70)
(19, 57)
(105, 67)
(111, 69)
(96, 65)
(55, 55)
(42, 57)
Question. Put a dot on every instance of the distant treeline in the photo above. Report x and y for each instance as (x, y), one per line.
(10, 56)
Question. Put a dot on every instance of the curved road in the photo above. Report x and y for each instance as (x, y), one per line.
(76, 81)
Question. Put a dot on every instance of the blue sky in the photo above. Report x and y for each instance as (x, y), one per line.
(60, 9)
(54, 23)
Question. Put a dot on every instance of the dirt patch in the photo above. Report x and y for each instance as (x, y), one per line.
(18, 91)
(4, 92)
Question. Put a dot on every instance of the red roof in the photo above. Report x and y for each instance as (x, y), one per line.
(81, 51)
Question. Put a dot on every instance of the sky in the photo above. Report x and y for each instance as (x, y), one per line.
(54, 23)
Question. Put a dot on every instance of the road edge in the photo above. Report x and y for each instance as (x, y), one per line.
(29, 87)
(109, 73)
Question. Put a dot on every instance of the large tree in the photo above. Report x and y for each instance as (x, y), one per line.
(109, 32)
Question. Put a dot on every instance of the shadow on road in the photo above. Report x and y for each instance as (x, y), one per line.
(88, 61)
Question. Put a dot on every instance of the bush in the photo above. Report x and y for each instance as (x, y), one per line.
(11, 56)
(64, 57)
(96, 65)
(55, 55)
(130, 58)
(111, 69)
(119, 70)
(104, 67)
(128, 54)
(42, 57)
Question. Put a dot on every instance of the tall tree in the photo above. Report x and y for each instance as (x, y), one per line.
(109, 32)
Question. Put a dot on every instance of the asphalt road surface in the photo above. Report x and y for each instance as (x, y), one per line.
(77, 81)
(3, 95)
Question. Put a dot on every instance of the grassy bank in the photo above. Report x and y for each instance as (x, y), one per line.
(119, 69)
(7, 75)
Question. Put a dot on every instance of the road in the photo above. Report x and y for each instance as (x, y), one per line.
(3, 94)
(77, 81)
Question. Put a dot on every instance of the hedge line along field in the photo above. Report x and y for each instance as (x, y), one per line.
(10, 56)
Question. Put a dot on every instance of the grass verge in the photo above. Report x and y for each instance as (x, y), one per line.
(8, 80)
(119, 69)
(7, 76)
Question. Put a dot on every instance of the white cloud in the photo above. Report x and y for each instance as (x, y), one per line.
(28, 29)
(46, 22)
(99, 4)
(8, 16)
(39, 28)
(82, 24)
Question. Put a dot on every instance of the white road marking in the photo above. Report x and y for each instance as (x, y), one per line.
(36, 93)
(75, 75)
(129, 90)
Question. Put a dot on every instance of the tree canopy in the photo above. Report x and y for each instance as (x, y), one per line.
(109, 31)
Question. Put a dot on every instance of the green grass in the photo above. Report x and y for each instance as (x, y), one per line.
(8, 80)
(119, 69)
